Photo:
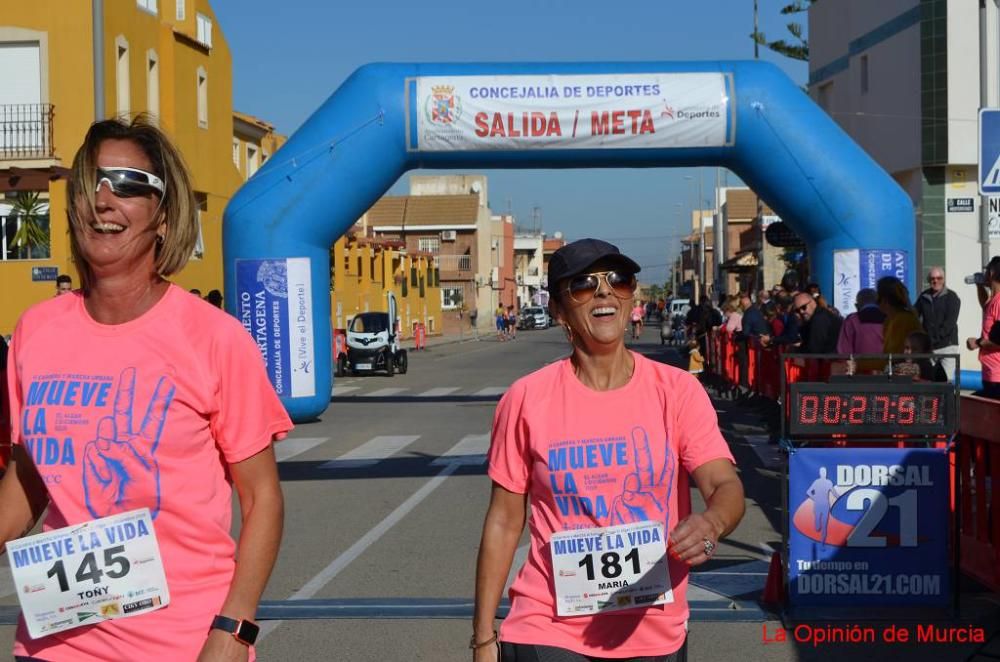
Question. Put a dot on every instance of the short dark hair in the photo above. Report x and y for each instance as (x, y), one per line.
(993, 269)
(64, 278)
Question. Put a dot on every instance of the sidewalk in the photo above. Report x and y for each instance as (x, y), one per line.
(467, 335)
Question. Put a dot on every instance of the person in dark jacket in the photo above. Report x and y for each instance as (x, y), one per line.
(820, 326)
(937, 307)
(789, 336)
(753, 327)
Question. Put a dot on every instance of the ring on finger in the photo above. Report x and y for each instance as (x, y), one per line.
(709, 546)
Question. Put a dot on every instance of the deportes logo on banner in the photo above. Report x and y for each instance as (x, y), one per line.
(868, 527)
(856, 269)
(275, 307)
(474, 113)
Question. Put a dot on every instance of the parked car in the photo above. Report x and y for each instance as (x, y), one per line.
(539, 315)
(678, 307)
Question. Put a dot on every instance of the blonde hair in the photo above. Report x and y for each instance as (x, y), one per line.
(177, 204)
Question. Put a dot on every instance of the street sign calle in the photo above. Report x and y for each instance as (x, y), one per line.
(961, 204)
(44, 273)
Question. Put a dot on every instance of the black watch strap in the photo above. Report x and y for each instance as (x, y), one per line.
(243, 631)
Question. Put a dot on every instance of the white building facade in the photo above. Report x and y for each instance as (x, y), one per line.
(902, 78)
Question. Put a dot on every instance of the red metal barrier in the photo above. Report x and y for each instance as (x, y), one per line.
(979, 483)
(768, 361)
(716, 339)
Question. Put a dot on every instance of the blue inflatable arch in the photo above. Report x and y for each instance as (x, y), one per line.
(390, 118)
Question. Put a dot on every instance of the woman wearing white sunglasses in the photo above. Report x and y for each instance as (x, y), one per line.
(598, 447)
(159, 404)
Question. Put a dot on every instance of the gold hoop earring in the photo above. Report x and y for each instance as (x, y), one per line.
(159, 239)
(569, 333)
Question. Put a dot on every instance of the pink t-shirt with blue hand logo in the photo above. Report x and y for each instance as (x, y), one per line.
(146, 414)
(597, 459)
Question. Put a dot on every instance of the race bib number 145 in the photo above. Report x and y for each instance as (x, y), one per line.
(79, 575)
(608, 569)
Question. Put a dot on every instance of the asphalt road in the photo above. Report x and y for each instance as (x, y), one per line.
(385, 498)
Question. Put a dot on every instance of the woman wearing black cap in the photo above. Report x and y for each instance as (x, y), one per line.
(598, 447)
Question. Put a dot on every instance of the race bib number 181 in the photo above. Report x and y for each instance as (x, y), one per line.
(79, 575)
(608, 569)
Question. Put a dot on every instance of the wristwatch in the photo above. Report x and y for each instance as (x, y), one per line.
(243, 631)
(979, 342)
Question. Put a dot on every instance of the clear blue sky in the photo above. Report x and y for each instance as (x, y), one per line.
(289, 56)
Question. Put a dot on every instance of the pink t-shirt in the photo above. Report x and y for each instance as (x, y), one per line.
(573, 451)
(637, 312)
(990, 357)
(180, 392)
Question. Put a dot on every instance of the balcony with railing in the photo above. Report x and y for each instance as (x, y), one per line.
(455, 267)
(26, 131)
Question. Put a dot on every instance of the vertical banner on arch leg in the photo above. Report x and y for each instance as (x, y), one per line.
(275, 307)
(857, 269)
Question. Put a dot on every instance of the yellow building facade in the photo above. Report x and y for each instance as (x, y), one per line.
(168, 59)
(363, 270)
(254, 141)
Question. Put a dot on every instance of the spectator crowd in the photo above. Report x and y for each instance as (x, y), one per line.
(885, 320)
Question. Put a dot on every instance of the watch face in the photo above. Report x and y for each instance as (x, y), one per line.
(247, 632)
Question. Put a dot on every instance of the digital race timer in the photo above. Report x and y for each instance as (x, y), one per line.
(881, 409)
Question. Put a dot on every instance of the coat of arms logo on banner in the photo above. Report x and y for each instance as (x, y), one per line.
(443, 105)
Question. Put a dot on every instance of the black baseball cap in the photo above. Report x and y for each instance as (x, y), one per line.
(574, 259)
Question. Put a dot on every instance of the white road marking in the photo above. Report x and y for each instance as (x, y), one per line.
(438, 392)
(520, 556)
(704, 595)
(470, 450)
(492, 390)
(384, 392)
(371, 452)
(327, 574)
(341, 390)
(289, 448)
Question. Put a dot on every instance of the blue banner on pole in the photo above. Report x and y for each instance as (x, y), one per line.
(876, 264)
(868, 526)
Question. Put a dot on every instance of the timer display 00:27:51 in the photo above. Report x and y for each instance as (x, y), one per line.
(868, 409)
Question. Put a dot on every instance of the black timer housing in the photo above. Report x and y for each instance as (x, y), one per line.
(873, 409)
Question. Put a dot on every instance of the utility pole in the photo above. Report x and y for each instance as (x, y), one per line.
(760, 208)
(756, 46)
(701, 231)
(719, 250)
(988, 66)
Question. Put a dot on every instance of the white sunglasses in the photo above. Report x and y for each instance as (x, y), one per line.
(129, 182)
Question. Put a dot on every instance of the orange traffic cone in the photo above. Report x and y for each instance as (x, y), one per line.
(774, 587)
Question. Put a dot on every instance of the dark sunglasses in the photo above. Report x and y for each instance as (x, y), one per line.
(129, 182)
(803, 308)
(582, 288)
